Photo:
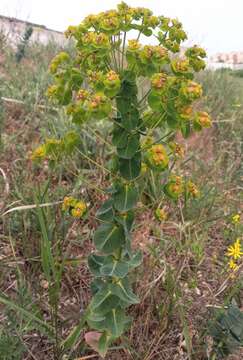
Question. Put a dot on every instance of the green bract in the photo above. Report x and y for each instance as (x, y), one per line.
(101, 81)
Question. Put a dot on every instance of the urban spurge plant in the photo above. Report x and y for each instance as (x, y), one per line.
(101, 81)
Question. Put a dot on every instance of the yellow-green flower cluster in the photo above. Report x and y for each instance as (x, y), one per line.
(95, 41)
(177, 149)
(146, 58)
(173, 96)
(195, 56)
(157, 157)
(177, 186)
(172, 33)
(192, 189)
(191, 91)
(89, 105)
(76, 208)
(186, 113)
(39, 153)
(98, 106)
(99, 46)
(155, 54)
(53, 148)
(158, 81)
(202, 120)
(109, 83)
(111, 22)
(59, 59)
(174, 187)
(50, 150)
(234, 253)
(161, 214)
(180, 66)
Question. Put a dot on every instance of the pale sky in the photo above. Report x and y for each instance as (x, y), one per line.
(215, 24)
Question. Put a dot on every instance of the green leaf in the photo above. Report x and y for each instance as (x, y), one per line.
(120, 137)
(115, 322)
(130, 168)
(170, 194)
(155, 101)
(95, 262)
(172, 121)
(96, 321)
(130, 118)
(124, 292)
(96, 285)
(125, 198)
(105, 212)
(103, 344)
(103, 301)
(126, 220)
(136, 260)
(113, 267)
(109, 237)
(147, 32)
(130, 148)
(185, 129)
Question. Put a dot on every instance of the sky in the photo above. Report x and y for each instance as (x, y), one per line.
(215, 24)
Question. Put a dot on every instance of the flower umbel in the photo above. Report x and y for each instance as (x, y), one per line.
(76, 208)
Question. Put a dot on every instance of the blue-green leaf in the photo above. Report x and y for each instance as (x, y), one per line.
(109, 237)
(125, 198)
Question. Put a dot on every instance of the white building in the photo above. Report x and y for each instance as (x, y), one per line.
(14, 30)
(232, 60)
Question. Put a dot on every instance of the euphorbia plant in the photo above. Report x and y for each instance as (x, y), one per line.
(101, 82)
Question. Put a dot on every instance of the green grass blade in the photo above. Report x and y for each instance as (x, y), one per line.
(46, 254)
(12, 305)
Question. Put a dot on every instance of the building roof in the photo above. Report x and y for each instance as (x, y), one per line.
(233, 57)
(15, 20)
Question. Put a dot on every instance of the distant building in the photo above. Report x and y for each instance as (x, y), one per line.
(14, 29)
(232, 60)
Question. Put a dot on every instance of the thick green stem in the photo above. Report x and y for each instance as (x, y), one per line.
(113, 293)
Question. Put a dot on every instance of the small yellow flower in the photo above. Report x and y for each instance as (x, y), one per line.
(180, 65)
(177, 149)
(79, 210)
(186, 113)
(234, 250)
(82, 95)
(192, 189)
(52, 91)
(158, 80)
(235, 219)
(159, 155)
(112, 76)
(38, 153)
(70, 31)
(232, 265)
(204, 119)
(133, 45)
(68, 202)
(161, 214)
(191, 90)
